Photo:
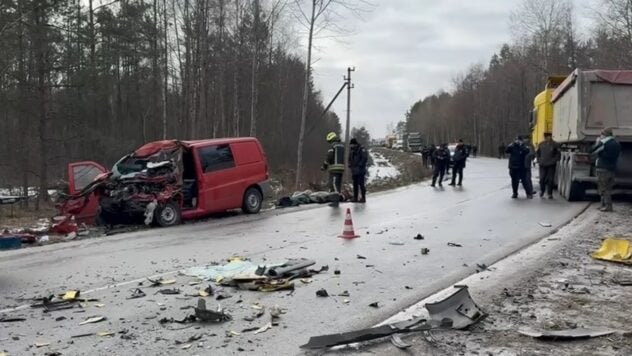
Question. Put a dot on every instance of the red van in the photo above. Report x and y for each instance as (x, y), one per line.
(164, 182)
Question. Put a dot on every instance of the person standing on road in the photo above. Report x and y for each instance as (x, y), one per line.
(607, 150)
(425, 155)
(517, 155)
(441, 158)
(358, 158)
(528, 164)
(474, 151)
(459, 158)
(547, 155)
(335, 165)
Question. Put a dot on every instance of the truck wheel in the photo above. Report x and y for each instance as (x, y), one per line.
(577, 191)
(168, 214)
(252, 201)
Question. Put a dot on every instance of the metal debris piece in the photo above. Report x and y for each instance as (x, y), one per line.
(288, 267)
(11, 320)
(452, 244)
(264, 328)
(399, 343)
(105, 333)
(92, 320)
(419, 237)
(41, 344)
(545, 224)
(81, 335)
(306, 280)
(276, 311)
(416, 324)
(458, 307)
(322, 293)
(360, 257)
(425, 251)
(396, 243)
(137, 293)
(169, 291)
(231, 333)
(337, 272)
(344, 294)
(203, 314)
(374, 305)
(223, 296)
(567, 334)
(70, 295)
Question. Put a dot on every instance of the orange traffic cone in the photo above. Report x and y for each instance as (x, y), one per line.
(347, 230)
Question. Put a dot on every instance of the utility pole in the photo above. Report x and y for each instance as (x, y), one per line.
(348, 128)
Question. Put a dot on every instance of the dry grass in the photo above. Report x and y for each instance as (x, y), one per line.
(15, 216)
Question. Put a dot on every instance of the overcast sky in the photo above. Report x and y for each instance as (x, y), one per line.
(405, 50)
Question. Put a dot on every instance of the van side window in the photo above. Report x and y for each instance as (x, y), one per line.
(216, 158)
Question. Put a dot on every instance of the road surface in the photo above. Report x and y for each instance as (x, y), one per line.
(480, 216)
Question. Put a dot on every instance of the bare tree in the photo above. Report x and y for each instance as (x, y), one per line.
(317, 16)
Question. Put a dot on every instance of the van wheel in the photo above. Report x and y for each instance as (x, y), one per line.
(252, 201)
(168, 214)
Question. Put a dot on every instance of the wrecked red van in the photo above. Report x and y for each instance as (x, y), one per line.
(164, 182)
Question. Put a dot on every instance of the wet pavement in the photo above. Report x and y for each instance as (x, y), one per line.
(480, 217)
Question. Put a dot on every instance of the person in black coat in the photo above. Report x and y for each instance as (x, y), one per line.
(459, 158)
(441, 157)
(358, 158)
(518, 152)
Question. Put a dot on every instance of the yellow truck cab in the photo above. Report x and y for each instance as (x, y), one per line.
(542, 113)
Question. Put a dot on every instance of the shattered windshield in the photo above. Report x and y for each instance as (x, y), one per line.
(129, 165)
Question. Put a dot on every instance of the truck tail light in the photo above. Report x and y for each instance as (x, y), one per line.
(582, 158)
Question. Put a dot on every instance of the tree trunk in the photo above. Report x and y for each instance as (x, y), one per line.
(308, 69)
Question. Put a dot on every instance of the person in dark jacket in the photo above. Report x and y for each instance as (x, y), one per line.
(459, 158)
(335, 165)
(358, 158)
(474, 151)
(607, 150)
(425, 155)
(441, 158)
(518, 152)
(547, 154)
(528, 163)
(501, 151)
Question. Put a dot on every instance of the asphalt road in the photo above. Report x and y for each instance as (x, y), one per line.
(480, 216)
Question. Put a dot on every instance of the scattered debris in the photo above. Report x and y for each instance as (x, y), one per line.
(286, 269)
(11, 320)
(567, 334)
(92, 320)
(408, 287)
(344, 294)
(171, 291)
(458, 307)
(60, 318)
(160, 282)
(41, 344)
(231, 333)
(416, 324)
(399, 343)
(374, 305)
(545, 224)
(264, 328)
(452, 244)
(71, 295)
(419, 237)
(222, 296)
(396, 243)
(360, 257)
(81, 335)
(425, 251)
(276, 311)
(322, 293)
(337, 272)
(186, 347)
(205, 315)
(614, 250)
(206, 291)
(105, 333)
(137, 293)
(306, 280)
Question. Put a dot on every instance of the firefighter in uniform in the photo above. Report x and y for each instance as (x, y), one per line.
(335, 165)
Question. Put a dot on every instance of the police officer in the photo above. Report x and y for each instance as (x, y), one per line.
(518, 152)
(358, 158)
(607, 150)
(441, 158)
(335, 165)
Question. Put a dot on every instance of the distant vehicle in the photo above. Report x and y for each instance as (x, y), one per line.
(167, 181)
(575, 111)
(415, 143)
(390, 141)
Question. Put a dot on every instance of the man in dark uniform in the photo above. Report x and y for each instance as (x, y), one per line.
(501, 151)
(335, 165)
(441, 158)
(607, 150)
(358, 158)
(517, 155)
(459, 158)
(425, 155)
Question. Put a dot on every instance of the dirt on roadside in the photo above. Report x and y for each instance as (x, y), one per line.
(410, 167)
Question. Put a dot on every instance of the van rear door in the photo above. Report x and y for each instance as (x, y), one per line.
(80, 175)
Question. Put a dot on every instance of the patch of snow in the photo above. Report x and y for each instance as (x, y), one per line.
(381, 169)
